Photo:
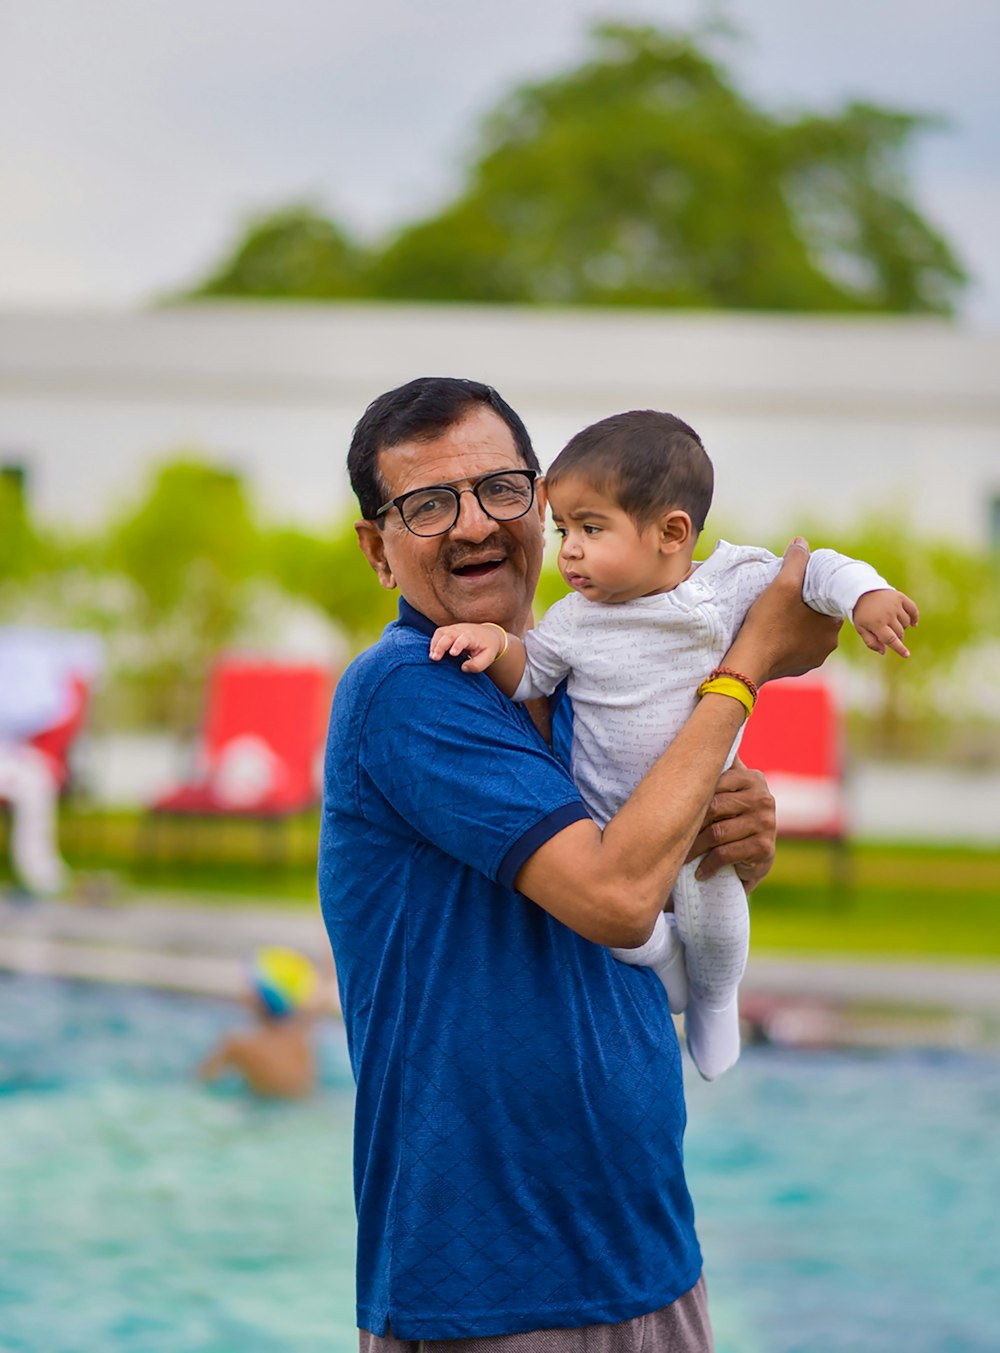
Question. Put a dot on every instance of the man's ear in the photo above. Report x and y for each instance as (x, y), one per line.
(372, 544)
(541, 499)
(676, 531)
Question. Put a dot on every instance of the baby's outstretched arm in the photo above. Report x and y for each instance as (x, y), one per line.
(490, 649)
(881, 618)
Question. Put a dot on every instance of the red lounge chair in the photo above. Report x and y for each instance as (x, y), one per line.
(57, 741)
(261, 746)
(795, 737)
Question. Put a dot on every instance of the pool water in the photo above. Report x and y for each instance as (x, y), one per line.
(846, 1203)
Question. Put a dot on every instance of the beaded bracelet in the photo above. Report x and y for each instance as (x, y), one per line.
(731, 672)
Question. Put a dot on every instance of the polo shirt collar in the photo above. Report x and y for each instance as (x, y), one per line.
(409, 615)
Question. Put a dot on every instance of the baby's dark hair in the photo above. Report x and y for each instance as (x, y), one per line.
(646, 461)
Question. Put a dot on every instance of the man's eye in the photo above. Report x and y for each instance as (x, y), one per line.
(505, 490)
(424, 507)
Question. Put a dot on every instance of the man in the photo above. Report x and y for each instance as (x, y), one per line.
(520, 1110)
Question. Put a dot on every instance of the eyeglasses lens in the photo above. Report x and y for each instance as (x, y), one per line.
(503, 497)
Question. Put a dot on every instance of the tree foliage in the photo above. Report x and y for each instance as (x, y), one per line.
(185, 569)
(957, 592)
(330, 571)
(21, 548)
(644, 177)
(186, 551)
(294, 253)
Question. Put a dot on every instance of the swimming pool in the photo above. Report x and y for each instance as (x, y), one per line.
(846, 1202)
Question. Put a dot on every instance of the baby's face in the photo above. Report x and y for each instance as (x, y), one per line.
(603, 554)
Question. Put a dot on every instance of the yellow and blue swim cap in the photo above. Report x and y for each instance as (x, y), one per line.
(283, 979)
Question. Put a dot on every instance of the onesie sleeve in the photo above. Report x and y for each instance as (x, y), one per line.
(547, 651)
(734, 576)
(834, 583)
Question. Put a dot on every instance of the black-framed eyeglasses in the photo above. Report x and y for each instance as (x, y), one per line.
(504, 495)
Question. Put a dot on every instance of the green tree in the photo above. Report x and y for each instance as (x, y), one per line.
(22, 550)
(187, 551)
(956, 590)
(330, 571)
(295, 253)
(646, 177)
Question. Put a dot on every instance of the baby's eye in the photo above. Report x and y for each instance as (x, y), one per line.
(560, 531)
(591, 530)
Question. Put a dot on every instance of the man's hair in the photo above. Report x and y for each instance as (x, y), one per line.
(421, 410)
(645, 461)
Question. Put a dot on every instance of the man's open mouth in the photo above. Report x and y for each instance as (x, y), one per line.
(478, 568)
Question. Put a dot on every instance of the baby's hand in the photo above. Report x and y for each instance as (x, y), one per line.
(483, 643)
(881, 617)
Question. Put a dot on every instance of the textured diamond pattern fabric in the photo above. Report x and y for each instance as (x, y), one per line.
(520, 1109)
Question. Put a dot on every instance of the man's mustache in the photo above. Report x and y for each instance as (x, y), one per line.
(488, 552)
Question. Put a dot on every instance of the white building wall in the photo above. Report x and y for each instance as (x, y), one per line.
(907, 412)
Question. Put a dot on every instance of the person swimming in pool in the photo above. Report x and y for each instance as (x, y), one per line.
(276, 1057)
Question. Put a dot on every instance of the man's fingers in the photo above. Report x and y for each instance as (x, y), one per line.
(746, 830)
(738, 827)
(734, 853)
(794, 561)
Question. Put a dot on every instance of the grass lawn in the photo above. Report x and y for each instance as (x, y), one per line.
(903, 901)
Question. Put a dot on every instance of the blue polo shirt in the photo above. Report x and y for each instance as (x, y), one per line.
(520, 1112)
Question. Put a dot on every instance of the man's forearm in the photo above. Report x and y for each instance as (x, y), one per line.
(609, 885)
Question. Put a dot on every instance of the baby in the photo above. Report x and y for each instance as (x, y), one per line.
(642, 630)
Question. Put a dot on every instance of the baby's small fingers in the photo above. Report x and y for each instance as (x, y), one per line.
(910, 609)
(872, 641)
(459, 646)
(477, 664)
(895, 642)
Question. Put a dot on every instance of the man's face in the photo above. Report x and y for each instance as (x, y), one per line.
(479, 570)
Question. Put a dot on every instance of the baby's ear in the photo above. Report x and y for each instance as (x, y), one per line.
(676, 531)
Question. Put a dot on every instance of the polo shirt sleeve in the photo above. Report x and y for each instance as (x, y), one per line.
(459, 767)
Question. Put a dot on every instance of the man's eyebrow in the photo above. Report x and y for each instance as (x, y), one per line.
(469, 479)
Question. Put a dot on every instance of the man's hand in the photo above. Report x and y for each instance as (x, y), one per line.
(881, 618)
(782, 636)
(739, 827)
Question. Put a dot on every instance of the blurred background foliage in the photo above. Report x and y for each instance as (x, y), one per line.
(644, 177)
(191, 567)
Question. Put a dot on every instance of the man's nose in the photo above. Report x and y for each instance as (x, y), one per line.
(473, 523)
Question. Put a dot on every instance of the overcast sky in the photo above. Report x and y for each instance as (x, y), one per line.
(138, 134)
